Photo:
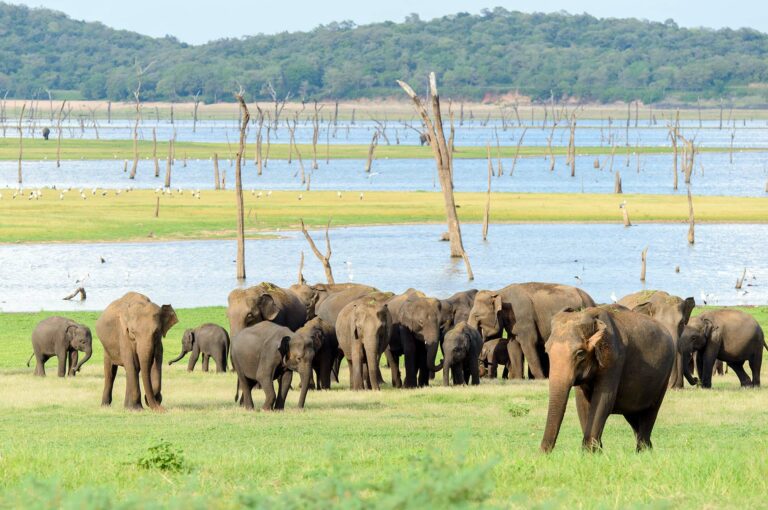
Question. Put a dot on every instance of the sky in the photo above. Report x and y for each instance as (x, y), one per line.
(197, 22)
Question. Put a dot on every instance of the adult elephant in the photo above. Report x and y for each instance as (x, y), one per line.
(264, 302)
(418, 323)
(618, 360)
(525, 311)
(671, 311)
(266, 352)
(210, 340)
(363, 329)
(461, 350)
(131, 330)
(63, 338)
(313, 295)
(728, 335)
(455, 309)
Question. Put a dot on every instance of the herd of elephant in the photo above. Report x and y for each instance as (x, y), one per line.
(620, 358)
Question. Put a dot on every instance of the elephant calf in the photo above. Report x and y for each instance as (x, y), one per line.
(63, 338)
(266, 351)
(497, 352)
(210, 340)
(461, 349)
(728, 335)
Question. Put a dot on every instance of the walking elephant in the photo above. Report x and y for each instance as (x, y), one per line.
(210, 340)
(732, 336)
(455, 309)
(266, 352)
(461, 350)
(264, 302)
(63, 338)
(525, 311)
(672, 311)
(619, 361)
(131, 330)
(363, 329)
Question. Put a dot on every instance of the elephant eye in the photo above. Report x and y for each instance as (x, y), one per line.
(580, 355)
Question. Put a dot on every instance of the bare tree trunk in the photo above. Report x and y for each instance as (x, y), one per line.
(517, 151)
(730, 154)
(371, 148)
(245, 118)
(21, 141)
(154, 153)
(157, 207)
(135, 166)
(315, 135)
(500, 170)
(617, 183)
(643, 258)
(691, 221)
(324, 259)
(58, 135)
(443, 161)
(260, 126)
(674, 134)
(487, 214)
(194, 111)
(301, 280)
(549, 147)
(625, 214)
(216, 183)
(740, 281)
(168, 165)
(572, 146)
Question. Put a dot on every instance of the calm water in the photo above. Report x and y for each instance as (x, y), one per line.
(603, 259)
(714, 175)
(588, 132)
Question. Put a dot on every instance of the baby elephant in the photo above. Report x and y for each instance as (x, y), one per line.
(266, 351)
(63, 338)
(492, 354)
(461, 349)
(210, 340)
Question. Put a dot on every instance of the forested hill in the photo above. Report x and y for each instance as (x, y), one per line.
(496, 53)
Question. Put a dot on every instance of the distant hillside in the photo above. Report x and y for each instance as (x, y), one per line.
(497, 52)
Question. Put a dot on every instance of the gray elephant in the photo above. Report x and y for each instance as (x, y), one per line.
(619, 361)
(63, 338)
(323, 364)
(313, 295)
(418, 333)
(672, 311)
(266, 352)
(525, 311)
(363, 329)
(264, 302)
(461, 349)
(210, 340)
(499, 352)
(455, 309)
(732, 336)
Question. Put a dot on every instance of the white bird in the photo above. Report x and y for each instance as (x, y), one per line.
(181, 191)
(117, 192)
(361, 195)
(269, 193)
(258, 195)
(14, 195)
(81, 190)
(61, 196)
(300, 196)
(158, 190)
(82, 195)
(1, 196)
(614, 297)
(253, 192)
(338, 194)
(93, 191)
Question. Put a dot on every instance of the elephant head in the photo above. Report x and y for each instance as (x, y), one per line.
(308, 295)
(247, 307)
(298, 352)
(486, 314)
(581, 344)
(421, 315)
(187, 344)
(695, 336)
(79, 338)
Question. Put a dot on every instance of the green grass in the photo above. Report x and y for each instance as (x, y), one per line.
(130, 216)
(39, 149)
(59, 448)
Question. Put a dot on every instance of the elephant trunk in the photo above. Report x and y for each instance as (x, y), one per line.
(177, 358)
(88, 351)
(431, 355)
(447, 362)
(306, 376)
(559, 390)
(146, 360)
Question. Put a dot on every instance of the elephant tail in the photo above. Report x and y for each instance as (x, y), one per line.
(237, 391)
(30, 359)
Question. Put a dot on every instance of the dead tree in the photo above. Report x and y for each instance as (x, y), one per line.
(300, 280)
(617, 183)
(278, 104)
(740, 281)
(137, 97)
(689, 155)
(625, 214)
(168, 165)
(517, 151)
(324, 259)
(259, 128)
(643, 259)
(216, 183)
(245, 117)
(444, 162)
(21, 140)
(691, 221)
(500, 170)
(730, 154)
(80, 291)
(572, 145)
(674, 134)
(371, 149)
(549, 146)
(196, 105)
(154, 153)
(487, 214)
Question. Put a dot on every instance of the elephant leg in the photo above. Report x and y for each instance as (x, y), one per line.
(423, 369)
(283, 385)
(474, 371)
(744, 379)
(505, 372)
(366, 374)
(494, 372)
(643, 426)
(515, 354)
(40, 360)
(72, 360)
(132, 390)
(156, 375)
(458, 375)
(528, 345)
(206, 359)
(755, 364)
(110, 371)
(600, 407)
(394, 367)
(246, 398)
(582, 408)
(676, 379)
(373, 366)
(356, 365)
(411, 366)
(193, 358)
(269, 394)
(62, 358)
(700, 364)
(221, 361)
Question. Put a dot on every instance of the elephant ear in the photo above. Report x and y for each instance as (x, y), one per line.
(497, 303)
(600, 345)
(267, 307)
(644, 308)
(285, 347)
(69, 333)
(168, 319)
(688, 306)
(317, 338)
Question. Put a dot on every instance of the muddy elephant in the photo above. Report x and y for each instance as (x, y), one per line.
(731, 336)
(63, 338)
(210, 340)
(461, 350)
(524, 311)
(619, 361)
(363, 329)
(672, 311)
(264, 302)
(497, 352)
(266, 352)
(455, 309)
(131, 330)
(418, 333)
(313, 295)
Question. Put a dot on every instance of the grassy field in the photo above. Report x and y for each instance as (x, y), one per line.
(130, 216)
(39, 149)
(434, 447)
